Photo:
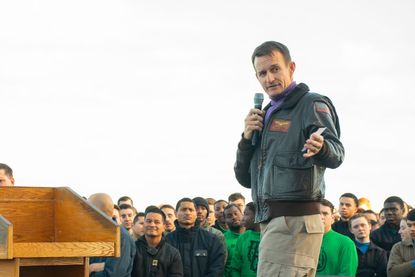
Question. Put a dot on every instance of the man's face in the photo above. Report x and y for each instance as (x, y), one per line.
(248, 220)
(347, 207)
(201, 213)
(240, 203)
(154, 225)
(274, 73)
(360, 228)
(5, 180)
(138, 227)
(211, 217)
(411, 226)
(170, 218)
(219, 207)
(233, 217)
(393, 212)
(186, 215)
(326, 217)
(127, 217)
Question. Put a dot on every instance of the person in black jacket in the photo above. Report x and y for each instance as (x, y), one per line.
(155, 257)
(202, 252)
(388, 234)
(348, 203)
(111, 266)
(372, 259)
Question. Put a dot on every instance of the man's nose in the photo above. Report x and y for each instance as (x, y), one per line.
(270, 78)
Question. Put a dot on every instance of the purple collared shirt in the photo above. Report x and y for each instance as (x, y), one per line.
(278, 100)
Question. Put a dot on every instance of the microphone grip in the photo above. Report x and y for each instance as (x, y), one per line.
(255, 136)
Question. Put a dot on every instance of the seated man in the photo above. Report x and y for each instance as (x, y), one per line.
(402, 256)
(112, 267)
(154, 256)
(202, 252)
(372, 259)
(245, 257)
(388, 234)
(6, 176)
(338, 254)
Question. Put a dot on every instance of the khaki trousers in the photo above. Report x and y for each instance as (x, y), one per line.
(290, 246)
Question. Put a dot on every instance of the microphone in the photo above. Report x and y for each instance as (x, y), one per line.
(258, 99)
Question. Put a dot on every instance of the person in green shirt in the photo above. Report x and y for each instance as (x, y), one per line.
(233, 218)
(338, 255)
(245, 257)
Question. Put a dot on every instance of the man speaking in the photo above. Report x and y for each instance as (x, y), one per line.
(298, 137)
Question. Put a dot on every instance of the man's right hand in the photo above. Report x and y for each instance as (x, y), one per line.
(253, 122)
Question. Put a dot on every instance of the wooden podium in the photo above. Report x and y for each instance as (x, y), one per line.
(52, 232)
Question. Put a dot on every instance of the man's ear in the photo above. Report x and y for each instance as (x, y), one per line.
(292, 68)
(12, 180)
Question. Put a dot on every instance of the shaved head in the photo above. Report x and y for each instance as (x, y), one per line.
(103, 202)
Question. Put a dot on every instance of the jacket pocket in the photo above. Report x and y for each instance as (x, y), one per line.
(290, 177)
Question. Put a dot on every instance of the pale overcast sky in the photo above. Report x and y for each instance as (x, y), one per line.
(148, 98)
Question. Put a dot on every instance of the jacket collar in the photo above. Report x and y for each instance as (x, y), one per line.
(408, 242)
(300, 90)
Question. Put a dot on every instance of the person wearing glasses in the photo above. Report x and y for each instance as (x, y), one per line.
(373, 219)
(388, 234)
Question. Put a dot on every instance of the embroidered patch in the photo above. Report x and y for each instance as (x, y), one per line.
(321, 108)
(280, 125)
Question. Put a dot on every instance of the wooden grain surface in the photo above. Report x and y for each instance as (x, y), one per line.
(63, 249)
(52, 261)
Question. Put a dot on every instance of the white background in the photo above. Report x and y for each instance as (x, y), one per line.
(147, 98)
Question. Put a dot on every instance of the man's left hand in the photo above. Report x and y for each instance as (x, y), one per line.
(313, 145)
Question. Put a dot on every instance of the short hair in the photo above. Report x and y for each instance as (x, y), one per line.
(167, 206)
(355, 216)
(7, 169)
(116, 207)
(125, 198)
(370, 212)
(230, 206)
(126, 206)
(351, 195)
(155, 210)
(140, 214)
(221, 200)
(411, 215)
(210, 201)
(266, 49)
(235, 196)
(250, 206)
(394, 199)
(185, 199)
(327, 203)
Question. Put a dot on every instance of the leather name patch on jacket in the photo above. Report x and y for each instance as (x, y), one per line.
(321, 108)
(280, 125)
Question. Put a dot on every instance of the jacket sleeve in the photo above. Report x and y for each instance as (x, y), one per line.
(123, 265)
(176, 267)
(322, 114)
(397, 267)
(216, 259)
(243, 160)
(381, 262)
(349, 260)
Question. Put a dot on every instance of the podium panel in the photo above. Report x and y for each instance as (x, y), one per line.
(52, 232)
